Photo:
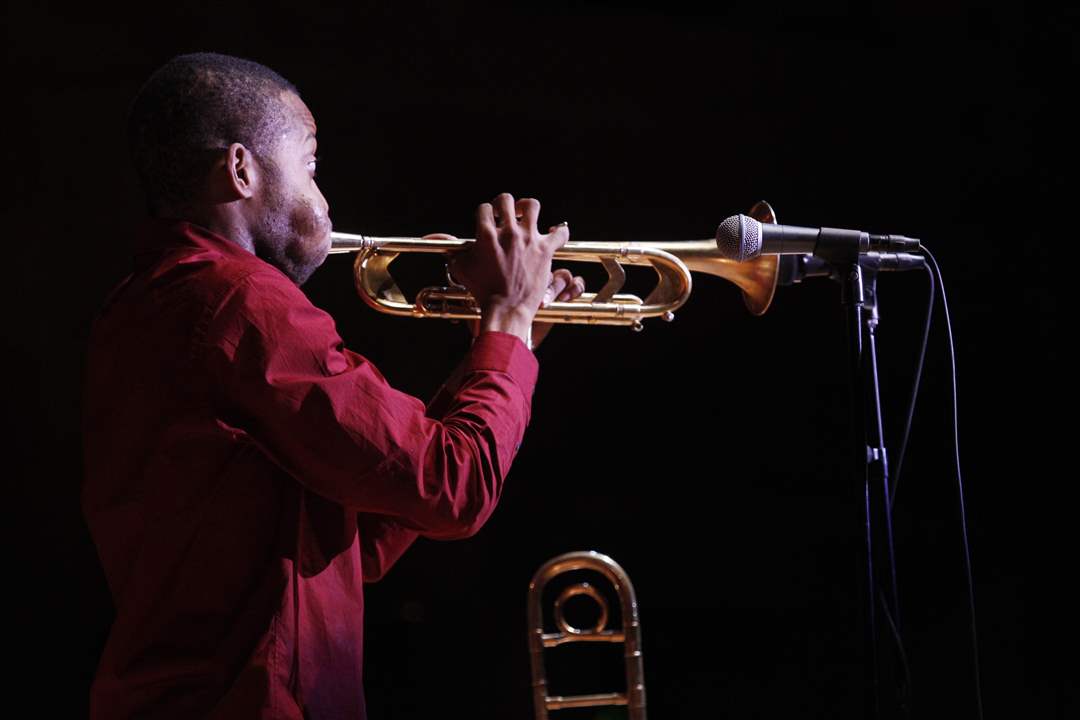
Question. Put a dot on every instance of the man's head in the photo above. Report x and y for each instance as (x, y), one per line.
(228, 143)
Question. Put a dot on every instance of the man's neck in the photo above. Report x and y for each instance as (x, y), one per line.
(219, 219)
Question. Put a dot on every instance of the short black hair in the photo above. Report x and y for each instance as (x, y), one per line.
(197, 103)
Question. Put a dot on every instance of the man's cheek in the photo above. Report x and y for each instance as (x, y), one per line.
(310, 223)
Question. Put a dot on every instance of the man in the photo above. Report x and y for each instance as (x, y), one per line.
(245, 474)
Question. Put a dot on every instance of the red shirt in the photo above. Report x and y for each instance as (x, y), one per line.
(246, 474)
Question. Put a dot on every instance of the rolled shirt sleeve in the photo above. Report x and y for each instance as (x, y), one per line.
(328, 417)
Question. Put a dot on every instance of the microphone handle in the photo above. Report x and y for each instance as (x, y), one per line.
(795, 240)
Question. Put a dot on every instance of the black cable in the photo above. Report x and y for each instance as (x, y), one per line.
(914, 392)
(960, 487)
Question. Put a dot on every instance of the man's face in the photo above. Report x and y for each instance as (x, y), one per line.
(292, 228)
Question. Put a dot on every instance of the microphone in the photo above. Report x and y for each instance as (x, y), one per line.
(741, 238)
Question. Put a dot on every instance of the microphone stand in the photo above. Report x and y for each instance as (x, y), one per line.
(837, 257)
(858, 296)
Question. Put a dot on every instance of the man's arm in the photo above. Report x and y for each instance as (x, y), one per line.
(329, 418)
(383, 540)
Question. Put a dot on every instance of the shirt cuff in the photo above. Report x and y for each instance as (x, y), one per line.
(506, 353)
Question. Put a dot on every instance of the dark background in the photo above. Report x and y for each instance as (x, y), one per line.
(708, 456)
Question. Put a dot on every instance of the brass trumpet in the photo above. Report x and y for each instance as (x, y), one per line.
(672, 261)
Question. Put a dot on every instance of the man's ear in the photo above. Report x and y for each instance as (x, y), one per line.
(241, 172)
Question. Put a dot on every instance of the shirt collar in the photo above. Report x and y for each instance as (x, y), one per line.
(157, 234)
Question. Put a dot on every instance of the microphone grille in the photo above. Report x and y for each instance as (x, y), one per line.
(739, 238)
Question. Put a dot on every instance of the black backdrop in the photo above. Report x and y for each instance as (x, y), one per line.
(708, 456)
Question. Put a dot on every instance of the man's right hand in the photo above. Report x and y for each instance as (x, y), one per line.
(508, 268)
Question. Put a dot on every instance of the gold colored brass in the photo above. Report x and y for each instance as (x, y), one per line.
(573, 591)
(672, 261)
(630, 634)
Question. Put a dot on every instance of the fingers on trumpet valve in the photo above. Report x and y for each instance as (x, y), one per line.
(563, 287)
